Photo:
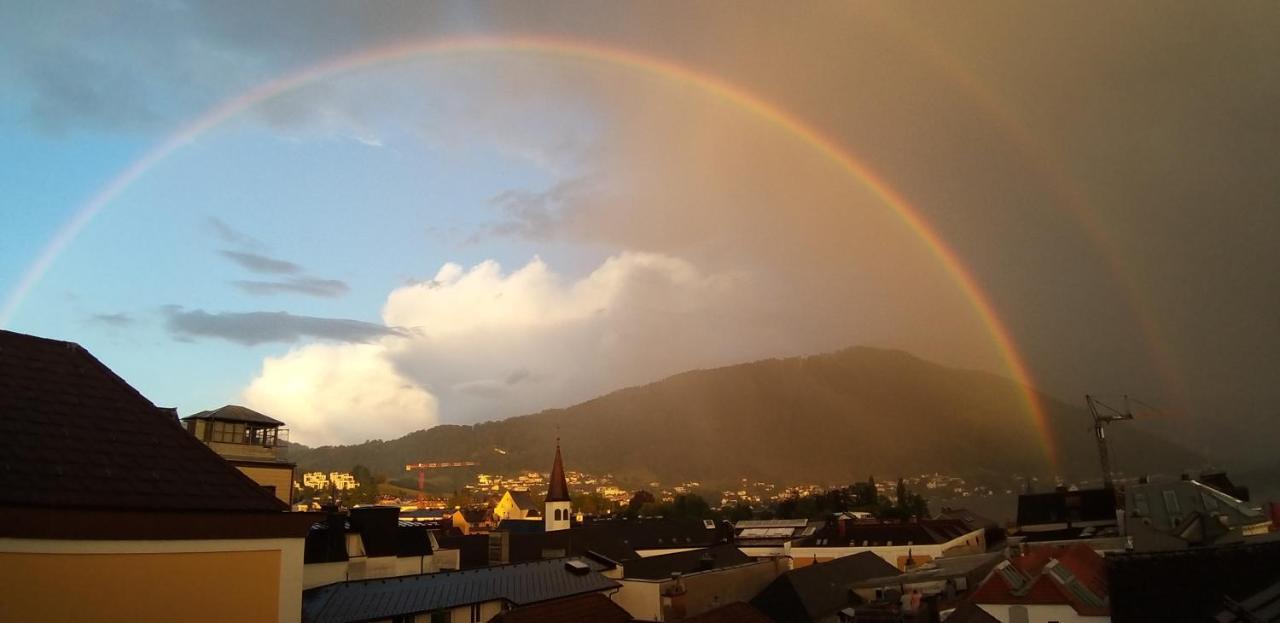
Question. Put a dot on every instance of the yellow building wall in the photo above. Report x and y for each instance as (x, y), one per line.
(280, 478)
(123, 587)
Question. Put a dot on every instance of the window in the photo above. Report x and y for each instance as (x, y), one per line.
(1017, 614)
(475, 613)
(1140, 507)
(441, 616)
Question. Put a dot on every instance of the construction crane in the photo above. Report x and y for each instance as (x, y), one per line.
(423, 467)
(1104, 414)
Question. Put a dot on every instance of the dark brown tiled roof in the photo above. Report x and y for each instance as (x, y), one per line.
(557, 488)
(235, 413)
(692, 561)
(736, 612)
(589, 608)
(75, 435)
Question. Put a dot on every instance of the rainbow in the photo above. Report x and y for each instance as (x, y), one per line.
(1104, 243)
(577, 50)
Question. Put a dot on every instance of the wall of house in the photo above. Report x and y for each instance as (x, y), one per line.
(661, 552)
(445, 559)
(641, 598)
(193, 580)
(507, 509)
(712, 589)
(974, 542)
(279, 477)
(244, 450)
(365, 568)
(703, 590)
(1041, 613)
(319, 574)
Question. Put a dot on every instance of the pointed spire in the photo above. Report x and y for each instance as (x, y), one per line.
(557, 488)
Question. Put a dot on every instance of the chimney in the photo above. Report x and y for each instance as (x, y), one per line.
(674, 606)
(841, 526)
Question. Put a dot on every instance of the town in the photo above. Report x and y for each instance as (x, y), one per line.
(104, 491)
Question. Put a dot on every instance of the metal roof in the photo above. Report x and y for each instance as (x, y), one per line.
(518, 584)
(235, 413)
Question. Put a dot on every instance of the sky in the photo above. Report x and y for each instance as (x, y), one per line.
(533, 204)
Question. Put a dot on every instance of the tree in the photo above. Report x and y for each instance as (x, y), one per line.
(737, 512)
(638, 500)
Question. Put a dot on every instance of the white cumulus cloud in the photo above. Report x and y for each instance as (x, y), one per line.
(334, 393)
(484, 343)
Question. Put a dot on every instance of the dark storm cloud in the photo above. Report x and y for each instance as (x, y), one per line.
(251, 328)
(261, 263)
(328, 288)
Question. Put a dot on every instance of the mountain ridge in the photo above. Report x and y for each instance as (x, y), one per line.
(826, 418)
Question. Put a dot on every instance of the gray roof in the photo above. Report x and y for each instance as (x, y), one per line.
(938, 568)
(384, 598)
(235, 413)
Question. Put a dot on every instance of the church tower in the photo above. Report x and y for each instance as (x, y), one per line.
(557, 512)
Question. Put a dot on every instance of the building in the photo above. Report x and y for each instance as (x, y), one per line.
(1063, 514)
(1193, 511)
(618, 540)
(516, 504)
(772, 532)
(1191, 584)
(371, 542)
(111, 511)
(900, 543)
(255, 443)
(558, 504)
(1048, 583)
(819, 592)
(472, 596)
(672, 587)
(473, 519)
(950, 578)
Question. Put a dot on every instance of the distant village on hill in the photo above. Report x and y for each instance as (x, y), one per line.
(207, 517)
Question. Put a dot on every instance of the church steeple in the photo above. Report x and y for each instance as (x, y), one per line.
(557, 488)
(558, 504)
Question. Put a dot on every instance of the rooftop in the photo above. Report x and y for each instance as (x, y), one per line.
(517, 584)
(818, 590)
(692, 561)
(235, 413)
(1073, 575)
(73, 434)
(588, 608)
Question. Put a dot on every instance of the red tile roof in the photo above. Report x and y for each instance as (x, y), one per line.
(73, 435)
(1029, 579)
(589, 608)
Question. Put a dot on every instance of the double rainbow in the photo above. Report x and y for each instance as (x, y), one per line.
(651, 65)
